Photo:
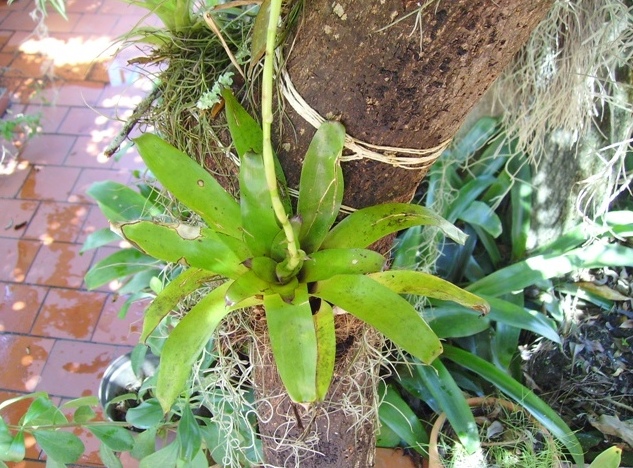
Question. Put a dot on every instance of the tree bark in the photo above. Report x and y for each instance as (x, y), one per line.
(389, 86)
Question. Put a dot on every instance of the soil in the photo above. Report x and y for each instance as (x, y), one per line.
(589, 379)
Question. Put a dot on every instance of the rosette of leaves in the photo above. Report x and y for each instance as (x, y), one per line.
(242, 241)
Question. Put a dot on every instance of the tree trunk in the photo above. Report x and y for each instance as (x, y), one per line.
(392, 86)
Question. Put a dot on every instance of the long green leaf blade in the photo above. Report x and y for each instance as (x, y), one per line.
(424, 284)
(398, 417)
(440, 384)
(326, 348)
(321, 185)
(365, 226)
(176, 290)
(191, 184)
(542, 267)
(294, 344)
(324, 264)
(522, 395)
(193, 246)
(186, 342)
(258, 216)
(384, 310)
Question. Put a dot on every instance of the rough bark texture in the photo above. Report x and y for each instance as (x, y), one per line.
(389, 88)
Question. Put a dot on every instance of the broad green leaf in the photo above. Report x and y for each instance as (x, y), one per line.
(326, 348)
(384, 310)
(80, 402)
(264, 267)
(176, 290)
(119, 203)
(365, 226)
(475, 138)
(610, 458)
(167, 456)
(62, 446)
(119, 265)
(191, 184)
(522, 395)
(13, 448)
(194, 246)
(144, 444)
(99, 238)
(188, 434)
(321, 185)
(386, 437)
(108, 457)
(424, 284)
(149, 413)
(117, 438)
(83, 414)
(542, 267)
(28, 396)
(42, 411)
(504, 346)
(324, 264)
(450, 399)
(399, 418)
(482, 215)
(258, 216)
(6, 439)
(294, 344)
(185, 342)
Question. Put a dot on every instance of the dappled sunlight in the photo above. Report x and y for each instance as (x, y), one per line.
(75, 50)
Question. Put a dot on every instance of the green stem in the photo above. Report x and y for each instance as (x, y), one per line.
(267, 120)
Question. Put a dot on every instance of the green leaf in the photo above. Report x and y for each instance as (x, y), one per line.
(80, 402)
(396, 416)
(61, 446)
(258, 216)
(480, 214)
(117, 438)
(520, 317)
(541, 267)
(191, 184)
(424, 284)
(117, 266)
(83, 414)
(42, 411)
(260, 29)
(326, 348)
(188, 434)
(119, 203)
(144, 443)
(294, 344)
(247, 137)
(167, 456)
(149, 413)
(386, 437)
(194, 246)
(108, 457)
(321, 185)
(448, 320)
(13, 448)
(243, 288)
(449, 397)
(467, 195)
(474, 139)
(324, 264)
(522, 395)
(384, 310)
(176, 290)
(365, 226)
(610, 458)
(186, 342)
(405, 255)
(99, 238)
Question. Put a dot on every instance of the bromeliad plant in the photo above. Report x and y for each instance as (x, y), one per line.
(297, 267)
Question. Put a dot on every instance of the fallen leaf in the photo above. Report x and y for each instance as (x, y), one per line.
(611, 425)
(603, 291)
